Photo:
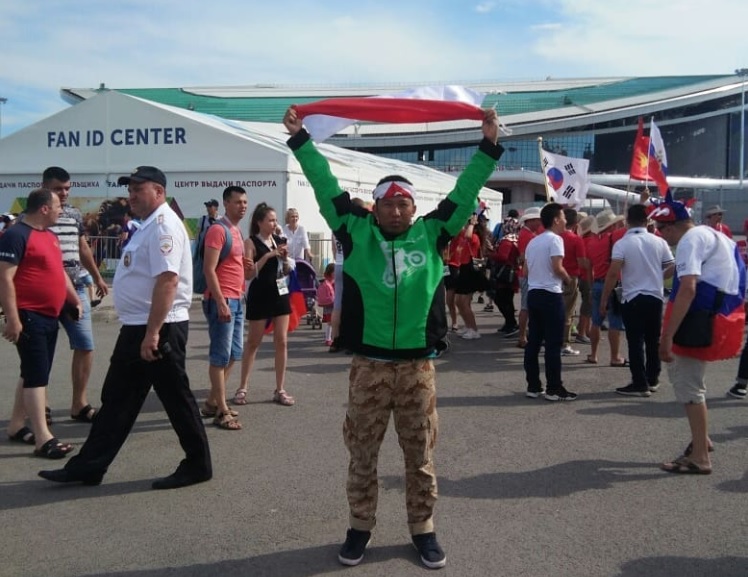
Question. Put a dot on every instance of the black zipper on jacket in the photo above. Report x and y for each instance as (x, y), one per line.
(394, 276)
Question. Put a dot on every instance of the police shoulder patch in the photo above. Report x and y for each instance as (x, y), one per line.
(166, 243)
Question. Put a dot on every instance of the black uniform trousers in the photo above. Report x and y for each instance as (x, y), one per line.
(642, 317)
(125, 389)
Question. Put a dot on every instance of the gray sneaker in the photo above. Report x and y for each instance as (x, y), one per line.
(569, 352)
(582, 340)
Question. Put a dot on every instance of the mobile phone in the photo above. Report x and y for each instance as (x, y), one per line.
(163, 351)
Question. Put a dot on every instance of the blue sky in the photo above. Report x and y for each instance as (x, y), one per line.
(49, 44)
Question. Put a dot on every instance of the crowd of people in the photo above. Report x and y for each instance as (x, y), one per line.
(399, 285)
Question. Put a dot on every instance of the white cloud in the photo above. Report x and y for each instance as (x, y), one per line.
(640, 37)
(172, 43)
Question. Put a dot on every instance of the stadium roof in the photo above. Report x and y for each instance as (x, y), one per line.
(267, 103)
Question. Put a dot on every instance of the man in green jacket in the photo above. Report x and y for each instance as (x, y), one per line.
(393, 316)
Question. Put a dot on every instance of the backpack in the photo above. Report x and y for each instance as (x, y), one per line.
(199, 284)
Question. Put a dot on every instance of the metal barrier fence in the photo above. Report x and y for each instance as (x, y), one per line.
(108, 249)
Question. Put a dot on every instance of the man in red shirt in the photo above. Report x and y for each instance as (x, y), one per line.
(585, 285)
(599, 251)
(223, 303)
(33, 289)
(713, 218)
(531, 226)
(574, 261)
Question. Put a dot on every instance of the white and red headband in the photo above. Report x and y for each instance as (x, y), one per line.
(394, 189)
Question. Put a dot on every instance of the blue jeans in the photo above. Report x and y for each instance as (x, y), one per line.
(615, 321)
(226, 338)
(80, 332)
(546, 324)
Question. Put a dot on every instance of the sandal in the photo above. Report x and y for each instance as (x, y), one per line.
(689, 449)
(685, 466)
(283, 398)
(227, 422)
(240, 397)
(623, 363)
(23, 435)
(86, 415)
(209, 411)
(53, 449)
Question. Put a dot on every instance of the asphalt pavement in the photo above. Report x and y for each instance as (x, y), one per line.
(526, 487)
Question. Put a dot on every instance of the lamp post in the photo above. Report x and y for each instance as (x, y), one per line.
(2, 101)
(742, 73)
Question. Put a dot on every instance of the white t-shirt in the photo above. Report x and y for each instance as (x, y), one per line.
(709, 254)
(160, 245)
(538, 255)
(297, 242)
(644, 255)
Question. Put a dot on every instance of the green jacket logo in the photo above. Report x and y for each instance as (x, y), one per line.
(400, 263)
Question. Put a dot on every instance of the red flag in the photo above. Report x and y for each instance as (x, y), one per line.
(640, 158)
(393, 110)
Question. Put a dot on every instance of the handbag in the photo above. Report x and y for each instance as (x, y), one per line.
(696, 330)
(479, 264)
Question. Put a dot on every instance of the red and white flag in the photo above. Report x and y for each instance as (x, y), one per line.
(424, 104)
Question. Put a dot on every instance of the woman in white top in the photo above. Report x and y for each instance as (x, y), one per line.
(298, 241)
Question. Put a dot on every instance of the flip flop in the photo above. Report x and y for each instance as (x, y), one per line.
(590, 361)
(684, 466)
(23, 435)
(625, 363)
(86, 415)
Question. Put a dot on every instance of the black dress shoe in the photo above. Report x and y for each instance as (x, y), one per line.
(177, 480)
(66, 476)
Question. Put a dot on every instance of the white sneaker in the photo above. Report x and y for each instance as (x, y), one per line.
(569, 352)
(470, 335)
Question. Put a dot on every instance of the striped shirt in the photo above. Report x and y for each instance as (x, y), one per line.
(69, 229)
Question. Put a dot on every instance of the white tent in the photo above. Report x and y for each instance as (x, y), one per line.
(108, 135)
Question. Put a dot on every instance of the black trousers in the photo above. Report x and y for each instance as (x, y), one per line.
(546, 324)
(503, 296)
(125, 389)
(642, 317)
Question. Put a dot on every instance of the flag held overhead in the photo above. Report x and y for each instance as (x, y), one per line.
(425, 104)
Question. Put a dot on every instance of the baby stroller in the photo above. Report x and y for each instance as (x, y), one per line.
(307, 277)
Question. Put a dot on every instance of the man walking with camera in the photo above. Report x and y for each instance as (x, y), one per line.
(152, 296)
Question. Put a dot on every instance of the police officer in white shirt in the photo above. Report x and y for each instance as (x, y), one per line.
(152, 296)
(642, 260)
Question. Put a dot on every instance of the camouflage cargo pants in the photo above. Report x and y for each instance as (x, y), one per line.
(405, 389)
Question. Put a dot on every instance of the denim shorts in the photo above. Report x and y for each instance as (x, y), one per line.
(36, 348)
(80, 332)
(615, 321)
(226, 339)
(523, 289)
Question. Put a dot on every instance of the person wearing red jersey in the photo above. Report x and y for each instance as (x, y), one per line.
(531, 227)
(33, 290)
(713, 218)
(585, 285)
(468, 246)
(599, 251)
(575, 261)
